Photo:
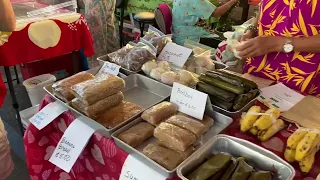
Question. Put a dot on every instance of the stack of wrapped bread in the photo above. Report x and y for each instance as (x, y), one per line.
(175, 134)
(98, 97)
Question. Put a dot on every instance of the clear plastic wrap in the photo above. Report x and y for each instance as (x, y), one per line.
(157, 38)
(96, 109)
(184, 154)
(197, 48)
(189, 124)
(175, 137)
(206, 121)
(62, 89)
(152, 33)
(159, 112)
(137, 134)
(167, 158)
(118, 114)
(96, 89)
(200, 63)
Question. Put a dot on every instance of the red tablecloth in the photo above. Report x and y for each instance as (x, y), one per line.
(102, 159)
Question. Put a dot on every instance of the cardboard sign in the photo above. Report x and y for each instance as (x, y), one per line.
(133, 169)
(110, 68)
(47, 114)
(189, 101)
(71, 145)
(175, 54)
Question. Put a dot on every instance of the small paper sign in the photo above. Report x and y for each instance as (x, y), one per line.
(189, 101)
(133, 169)
(175, 54)
(110, 68)
(71, 145)
(47, 114)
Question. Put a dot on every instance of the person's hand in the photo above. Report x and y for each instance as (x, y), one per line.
(246, 36)
(260, 45)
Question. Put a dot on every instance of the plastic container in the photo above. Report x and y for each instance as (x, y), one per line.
(27, 114)
(35, 86)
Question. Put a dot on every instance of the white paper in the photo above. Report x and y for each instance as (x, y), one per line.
(188, 100)
(279, 96)
(71, 145)
(175, 54)
(47, 114)
(133, 169)
(110, 68)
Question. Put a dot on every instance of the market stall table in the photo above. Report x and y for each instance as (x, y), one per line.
(41, 39)
(103, 160)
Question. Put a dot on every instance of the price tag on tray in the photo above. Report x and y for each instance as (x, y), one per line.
(175, 54)
(47, 114)
(110, 68)
(189, 101)
(71, 145)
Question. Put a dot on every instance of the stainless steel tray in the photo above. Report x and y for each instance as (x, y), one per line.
(122, 70)
(219, 65)
(256, 156)
(139, 90)
(220, 123)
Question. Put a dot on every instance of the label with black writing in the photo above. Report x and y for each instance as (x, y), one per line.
(175, 54)
(110, 68)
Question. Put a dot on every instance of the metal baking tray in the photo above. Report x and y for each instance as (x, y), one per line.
(122, 70)
(256, 156)
(140, 90)
(219, 65)
(220, 123)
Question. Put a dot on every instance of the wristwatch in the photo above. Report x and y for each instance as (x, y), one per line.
(288, 47)
(252, 27)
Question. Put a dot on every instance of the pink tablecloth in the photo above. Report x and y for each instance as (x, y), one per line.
(102, 159)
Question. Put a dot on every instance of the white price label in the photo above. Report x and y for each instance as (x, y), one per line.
(71, 145)
(175, 54)
(110, 68)
(188, 100)
(47, 114)
(133, 169)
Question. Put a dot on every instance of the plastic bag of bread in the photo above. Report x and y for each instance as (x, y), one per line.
(167, 158)
(194, 126)
(160, 42)
(118, 114)
(98, 88)
(152, 33)
(119, 55)
(62, 89)
(137, 134)
(96, 109)
(206, 121)
(159, 112)
(184, 154)
(174, 136)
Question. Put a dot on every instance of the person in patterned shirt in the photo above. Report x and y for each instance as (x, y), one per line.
(285, 45)
(7, 17)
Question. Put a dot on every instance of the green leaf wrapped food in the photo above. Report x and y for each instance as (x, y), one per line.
(230, 169)
(220, 103)
(247, 83)
(261, 175)
(243, 170)
(222, 84)
(215, 91)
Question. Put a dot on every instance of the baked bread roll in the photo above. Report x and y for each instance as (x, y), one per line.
(175, 137)
(184, 154)
(62, 89)
(159, 112)
(96, 109)
(137, 134)
(98, 88)
(194, 126)
(206, 121)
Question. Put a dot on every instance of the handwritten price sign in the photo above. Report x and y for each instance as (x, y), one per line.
(175, 54)
(110, 68)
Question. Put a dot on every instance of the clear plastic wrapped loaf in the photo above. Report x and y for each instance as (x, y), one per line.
(137, 134)
(96, 109)
(118, 114)
(174, 136)
(206, 121)
(159, 112)
(98, 88)
(194, 126)
(167, 158)
(62, 89)
(184, 154)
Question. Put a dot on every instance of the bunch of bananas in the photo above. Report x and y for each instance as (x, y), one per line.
(264, 126)
(302, 146)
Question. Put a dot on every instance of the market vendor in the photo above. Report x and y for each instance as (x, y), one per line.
(7, 17)
(186, 15)
(284, 44)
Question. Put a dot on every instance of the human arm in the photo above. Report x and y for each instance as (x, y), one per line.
(219, 11)
(250, 33)
(7, 17)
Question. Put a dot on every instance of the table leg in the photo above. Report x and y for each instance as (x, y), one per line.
(75, 62)
(16, 73)
(14, 98)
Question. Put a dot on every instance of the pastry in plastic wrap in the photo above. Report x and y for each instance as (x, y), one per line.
(98, 88)
(137, 134)
(159, 112)
(148, 66)
(174, 136)
(118, 114)
(194, 126)
(169, 77)
(62, 89)
(96, 109)
(184, 154)
(156, 73)
(206, 121)
(167, 158)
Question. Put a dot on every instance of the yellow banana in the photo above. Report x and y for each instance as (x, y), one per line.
(254, 131)
(249, 119)
(265, 121)
(296, 137)
(265, 135)
(308, 142)
(289, 155)
(307, 162)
